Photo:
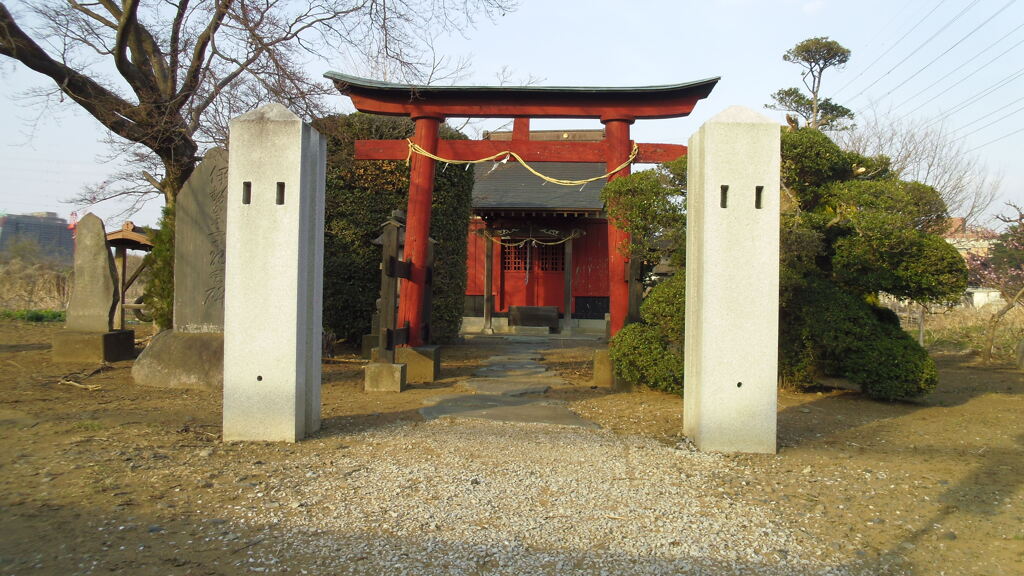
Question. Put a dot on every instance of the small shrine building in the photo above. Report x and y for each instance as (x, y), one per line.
(548, 243)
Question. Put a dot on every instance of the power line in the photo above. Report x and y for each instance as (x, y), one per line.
(978, 96)
(919, 47)
(980, 128)
(958, 42)
(1003, 137)
(894, 45)
(989, 115)
(957, 69)
(958, 82)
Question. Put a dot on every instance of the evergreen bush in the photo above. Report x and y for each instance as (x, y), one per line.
(641, 357)
(159, 292)
(650, 353)
(360, 197)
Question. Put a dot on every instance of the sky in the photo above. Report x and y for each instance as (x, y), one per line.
(952, 61)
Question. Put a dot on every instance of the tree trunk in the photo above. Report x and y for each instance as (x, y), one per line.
(990, 332)
(920, 325)
(176, 173)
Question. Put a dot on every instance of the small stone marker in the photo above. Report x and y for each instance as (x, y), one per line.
(273, 277)
(732, 283)
(94, 294)
(88, 334)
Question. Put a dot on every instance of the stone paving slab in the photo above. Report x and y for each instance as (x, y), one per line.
(509, 372)
(506, 409)
(507, 387)
(525, 356)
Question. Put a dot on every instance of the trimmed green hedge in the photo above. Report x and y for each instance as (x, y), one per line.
(360, 197)
(825, 329)
(650, 352)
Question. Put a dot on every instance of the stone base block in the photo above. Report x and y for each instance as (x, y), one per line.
(73, 346)
(182, 360)
(368, 343)
(423, 364)
(604, 374)
(379, 377)
(531, 330)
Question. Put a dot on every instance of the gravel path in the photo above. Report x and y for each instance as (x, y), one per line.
(476, 497)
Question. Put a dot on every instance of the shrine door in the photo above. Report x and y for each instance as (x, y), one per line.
(532, 276)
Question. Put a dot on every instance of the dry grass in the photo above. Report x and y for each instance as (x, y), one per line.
(963, 330)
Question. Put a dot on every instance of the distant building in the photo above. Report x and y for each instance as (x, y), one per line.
(977, 241)
(966, 240)
(46, 230)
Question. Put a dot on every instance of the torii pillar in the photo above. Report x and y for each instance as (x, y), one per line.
(417, 230)
(617, 137)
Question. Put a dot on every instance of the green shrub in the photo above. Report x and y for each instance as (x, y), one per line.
(891, 366)
(159, 293)
(360, 197)
(641, 357)
(828, 331)
(664, 309)
(650, 353)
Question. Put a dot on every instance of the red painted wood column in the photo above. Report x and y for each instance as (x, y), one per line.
(617, 139)
(417, 229)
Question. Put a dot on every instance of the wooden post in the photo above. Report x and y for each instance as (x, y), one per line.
(428, 293)
(488, 282)
(567, 287)
(920, 324)
(617, 138)
(122, 254)
(636, 288)
(388, 287)
(417, 229)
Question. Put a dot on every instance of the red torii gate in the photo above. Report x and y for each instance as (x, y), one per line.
(428, 106)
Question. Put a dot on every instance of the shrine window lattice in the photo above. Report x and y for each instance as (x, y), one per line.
(538, 258)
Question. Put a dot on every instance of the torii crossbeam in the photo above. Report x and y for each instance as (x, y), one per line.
(428, 106)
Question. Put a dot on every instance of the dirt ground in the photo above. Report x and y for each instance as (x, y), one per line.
(108, 476)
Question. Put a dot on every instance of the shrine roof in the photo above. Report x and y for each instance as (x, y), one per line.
(660, 101)
(511, 187)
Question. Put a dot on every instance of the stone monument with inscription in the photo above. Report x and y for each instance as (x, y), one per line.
(191, 355)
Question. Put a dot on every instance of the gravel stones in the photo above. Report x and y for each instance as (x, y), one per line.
(473, 496)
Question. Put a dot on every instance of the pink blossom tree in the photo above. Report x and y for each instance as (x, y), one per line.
(1002, 269)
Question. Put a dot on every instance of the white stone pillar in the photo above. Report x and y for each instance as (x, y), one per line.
(732, 283)
(273, 277)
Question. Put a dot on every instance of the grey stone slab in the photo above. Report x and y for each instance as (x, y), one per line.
(505, 409)
(499, 372)
(535, 340)
(199, 242)
(507, 387)
(531, 330)
(422, 364)
(94, 294)
(524, 357)
(182, 360)
(379, 377)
